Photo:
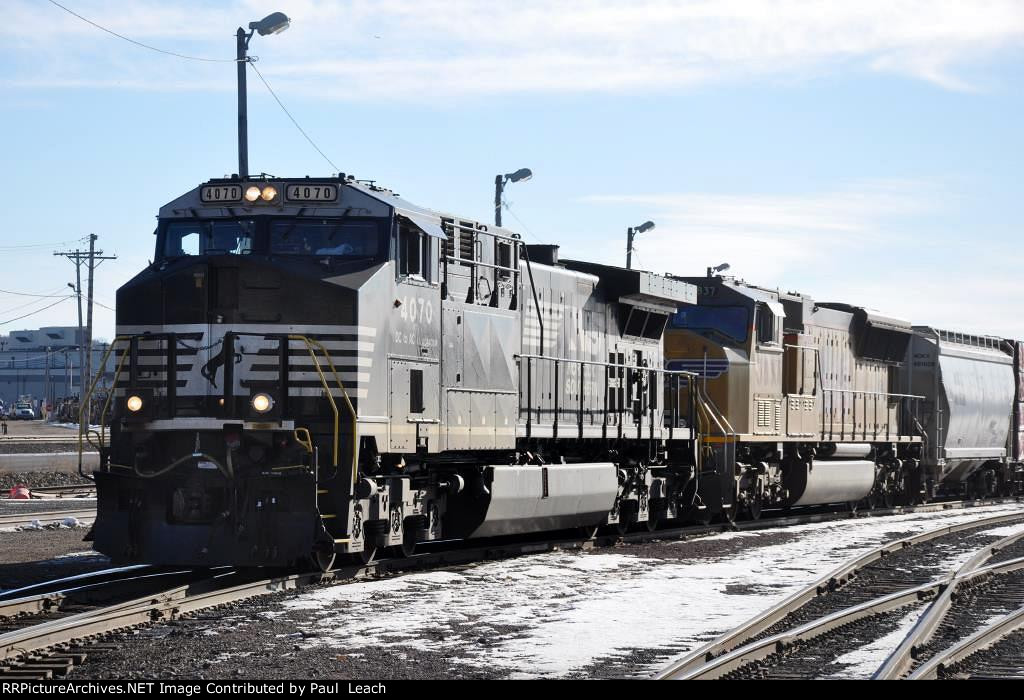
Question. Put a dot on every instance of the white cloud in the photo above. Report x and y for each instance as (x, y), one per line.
(865, 244)
(435, 48)
(776, 234)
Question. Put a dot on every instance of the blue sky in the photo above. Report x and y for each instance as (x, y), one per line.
(863, 152)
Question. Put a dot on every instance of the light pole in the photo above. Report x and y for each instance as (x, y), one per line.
(521, 175)
(273, 23)
(630, 233)
(717, 268)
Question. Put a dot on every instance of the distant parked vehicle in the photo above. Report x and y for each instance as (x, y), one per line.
(23, 412)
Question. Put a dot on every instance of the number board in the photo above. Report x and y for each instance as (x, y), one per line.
(311, 192)
(221, 193)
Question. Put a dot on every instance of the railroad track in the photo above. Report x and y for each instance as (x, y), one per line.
(67, 491)
(47, 517)
(996, 651)
(53, 646)
(967, 599)
(839, 611)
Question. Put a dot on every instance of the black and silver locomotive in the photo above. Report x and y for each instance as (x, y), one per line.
(316, 366)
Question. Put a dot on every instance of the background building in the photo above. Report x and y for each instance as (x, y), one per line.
(44, 364)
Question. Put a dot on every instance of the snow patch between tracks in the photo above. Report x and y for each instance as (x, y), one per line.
(562, 613)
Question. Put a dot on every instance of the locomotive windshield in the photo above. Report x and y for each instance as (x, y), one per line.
(209, 238)
(324, 237)
(345, 238)
(729, 322)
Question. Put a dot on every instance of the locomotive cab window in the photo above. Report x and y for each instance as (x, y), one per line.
(414, 253)
(208, 238)
(766, 325)
(325, 237)
(726, 324)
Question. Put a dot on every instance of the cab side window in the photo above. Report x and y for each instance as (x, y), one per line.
(413, 252)
(765, 324)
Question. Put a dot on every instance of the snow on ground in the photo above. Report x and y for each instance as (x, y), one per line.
(865, 661)
(554, 613)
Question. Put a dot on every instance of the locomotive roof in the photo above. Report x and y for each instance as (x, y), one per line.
(354, 196)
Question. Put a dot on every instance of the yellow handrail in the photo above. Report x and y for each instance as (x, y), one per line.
(349, 406)
(84, 402)
(110, 395)
(310, 345)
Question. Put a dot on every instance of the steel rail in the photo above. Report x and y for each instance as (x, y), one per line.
(191, 597)
(937, 666)
(831, 581)
(58, 493)
(50, 516)
(900, 661)
(28, 439)
(86, 588)
(165, 605)
(764, 648)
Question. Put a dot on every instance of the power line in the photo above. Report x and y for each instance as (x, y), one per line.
(139, 43)
(18, 318)
(285, 110)
(248, 59)
(40, 245)
(24, 294)
(28, 305)
(509, 210)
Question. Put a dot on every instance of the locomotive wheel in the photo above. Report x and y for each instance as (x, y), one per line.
(882, 495)
(367, 556)
(322, 559)
(754, 506)
(650, 525)
(728, 516)
(701, 516)
(408, 546)
(588, 532)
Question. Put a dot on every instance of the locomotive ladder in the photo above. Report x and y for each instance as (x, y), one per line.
(83, 413)
(311, 347)
(714, 429)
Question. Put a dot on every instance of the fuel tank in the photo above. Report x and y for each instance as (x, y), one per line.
(555, 497)
(830, 481)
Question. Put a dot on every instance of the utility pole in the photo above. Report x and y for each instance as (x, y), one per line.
(48, 392)
(67, 377)
(91, 258)
(242, 43)
(78, 257)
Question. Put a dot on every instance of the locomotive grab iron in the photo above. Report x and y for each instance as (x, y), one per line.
(315, 366)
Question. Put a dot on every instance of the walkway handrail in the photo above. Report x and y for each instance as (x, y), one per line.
(310, 345)
(84, 402)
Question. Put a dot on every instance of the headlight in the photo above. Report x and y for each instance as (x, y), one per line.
(134, 404)
(268, 193)
(261, 403)
(252, 194)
